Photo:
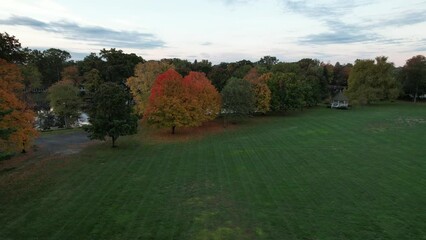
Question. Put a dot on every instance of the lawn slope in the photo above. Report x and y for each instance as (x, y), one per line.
(319, 174)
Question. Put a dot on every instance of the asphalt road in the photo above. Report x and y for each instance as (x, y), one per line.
(62, 143)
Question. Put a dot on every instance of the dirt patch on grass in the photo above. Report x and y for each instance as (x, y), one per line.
(185, 134)
(399, 123)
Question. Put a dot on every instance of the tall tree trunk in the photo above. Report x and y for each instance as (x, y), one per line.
(415, 94)
(173, 129)
(113, 142)
(66, 121)
(23, 147)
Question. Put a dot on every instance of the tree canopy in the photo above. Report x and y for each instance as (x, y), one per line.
(414, 76)
(65, 101)
(11, 49)
(111, 114)
(19, 116)
(207, 103)
(141, 83)
(238, 99)
(260, 89)
(119, 65)
(178, 102)
(372, 80)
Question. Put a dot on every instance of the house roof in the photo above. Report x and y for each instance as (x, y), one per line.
(340, 97)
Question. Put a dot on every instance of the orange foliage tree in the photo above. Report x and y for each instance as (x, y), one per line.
(178, 102)
(21, 118)
(261, 91)
(208, 100)
(71, 74)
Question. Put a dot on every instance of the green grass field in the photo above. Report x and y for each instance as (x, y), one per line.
(319, 174)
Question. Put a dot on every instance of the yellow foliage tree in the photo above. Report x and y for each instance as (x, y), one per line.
(261, 91)
(140, 85)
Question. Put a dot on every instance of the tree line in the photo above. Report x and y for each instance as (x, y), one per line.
(117, 88)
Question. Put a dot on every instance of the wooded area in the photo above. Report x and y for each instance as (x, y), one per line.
(177, 93)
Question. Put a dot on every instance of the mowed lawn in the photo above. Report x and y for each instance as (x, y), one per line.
(318, 174)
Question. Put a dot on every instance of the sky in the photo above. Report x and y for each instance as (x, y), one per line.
(223, 30)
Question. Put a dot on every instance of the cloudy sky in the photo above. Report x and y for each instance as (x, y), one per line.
(223, 30)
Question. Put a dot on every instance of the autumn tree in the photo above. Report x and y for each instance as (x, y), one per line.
(141, 83)
(414, 76)
(4, 133)
(207, 103)
(237, 99)
(111, 114)
(169, 103)
(371, 81)
(260, 89)
(20, 117)
(178, 102)
(65, 101)
(71, 74)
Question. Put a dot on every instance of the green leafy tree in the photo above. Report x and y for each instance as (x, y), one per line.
(240, 69)
(414, 76)
(276, 84)
(10, 49)
(183, 67)
(268, 62)
(65, 100)
(111, 114)
(92, 80)
(297, 92)
(32, 76)
(50, 63)
(203, 66)
(119, 65)
(237, 99)
(92, 61)
(371, 81)
(218, 75)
